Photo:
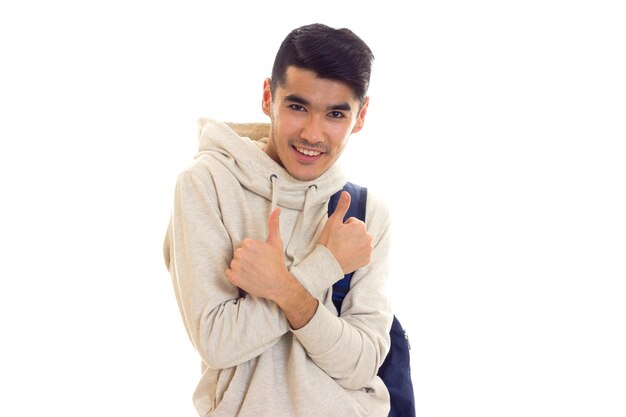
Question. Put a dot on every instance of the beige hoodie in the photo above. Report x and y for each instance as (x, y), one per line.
(253, 363)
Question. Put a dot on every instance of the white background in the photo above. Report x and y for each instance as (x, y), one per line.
(495, 134)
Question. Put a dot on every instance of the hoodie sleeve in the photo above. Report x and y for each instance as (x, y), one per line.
(225, 328)
(352, 347)
(318, 271)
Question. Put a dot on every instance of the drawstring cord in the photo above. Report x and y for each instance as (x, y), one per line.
(292, 246)
(274, 177)
(295, 240)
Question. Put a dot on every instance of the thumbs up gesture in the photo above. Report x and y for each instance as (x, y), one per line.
(348, 241)
(258, 267)
(273, 231)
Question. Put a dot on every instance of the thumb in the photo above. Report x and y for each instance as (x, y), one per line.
(273, 229)
(342, 207)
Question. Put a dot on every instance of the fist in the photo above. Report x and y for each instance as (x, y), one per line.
(258, 267)
(349, 241)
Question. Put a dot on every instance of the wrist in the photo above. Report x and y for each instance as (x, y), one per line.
(296, 303)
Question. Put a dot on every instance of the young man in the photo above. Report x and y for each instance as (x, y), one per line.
(253, 254)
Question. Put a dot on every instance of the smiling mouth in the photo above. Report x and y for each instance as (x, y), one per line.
(307, 152)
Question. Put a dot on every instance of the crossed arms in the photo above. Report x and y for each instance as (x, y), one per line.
(227, 328)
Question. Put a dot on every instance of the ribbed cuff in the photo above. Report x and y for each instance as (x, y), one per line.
(318, 271)
(321, 333)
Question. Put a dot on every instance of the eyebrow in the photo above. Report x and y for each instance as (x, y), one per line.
(304, 102)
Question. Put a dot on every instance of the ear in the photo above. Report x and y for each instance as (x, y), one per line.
(361, 117)
(267, 98)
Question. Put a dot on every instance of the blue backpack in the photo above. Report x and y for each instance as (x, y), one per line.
(396, 369)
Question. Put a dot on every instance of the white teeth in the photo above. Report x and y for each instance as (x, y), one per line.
(308, 152)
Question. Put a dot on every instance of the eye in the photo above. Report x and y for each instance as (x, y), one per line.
(336, 115)
(296, 107)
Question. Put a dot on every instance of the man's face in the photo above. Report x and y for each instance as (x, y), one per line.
(312, 119)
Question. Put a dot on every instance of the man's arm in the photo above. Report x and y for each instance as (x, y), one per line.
(258, 267)
(225, 328)
(351, 348)
(342, 247)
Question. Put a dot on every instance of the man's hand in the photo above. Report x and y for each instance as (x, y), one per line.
(258, 267)
(349, 242)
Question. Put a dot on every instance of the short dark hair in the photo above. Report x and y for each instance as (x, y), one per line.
(336, 54)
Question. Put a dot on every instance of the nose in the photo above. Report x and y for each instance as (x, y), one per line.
(312, 129)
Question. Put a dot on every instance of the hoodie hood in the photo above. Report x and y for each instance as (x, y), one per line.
(240, 148)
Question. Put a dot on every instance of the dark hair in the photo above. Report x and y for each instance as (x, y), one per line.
(336, 54)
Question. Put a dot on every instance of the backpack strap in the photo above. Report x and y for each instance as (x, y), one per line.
(357, 209)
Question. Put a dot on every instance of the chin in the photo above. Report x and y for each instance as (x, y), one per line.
(302, 175)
